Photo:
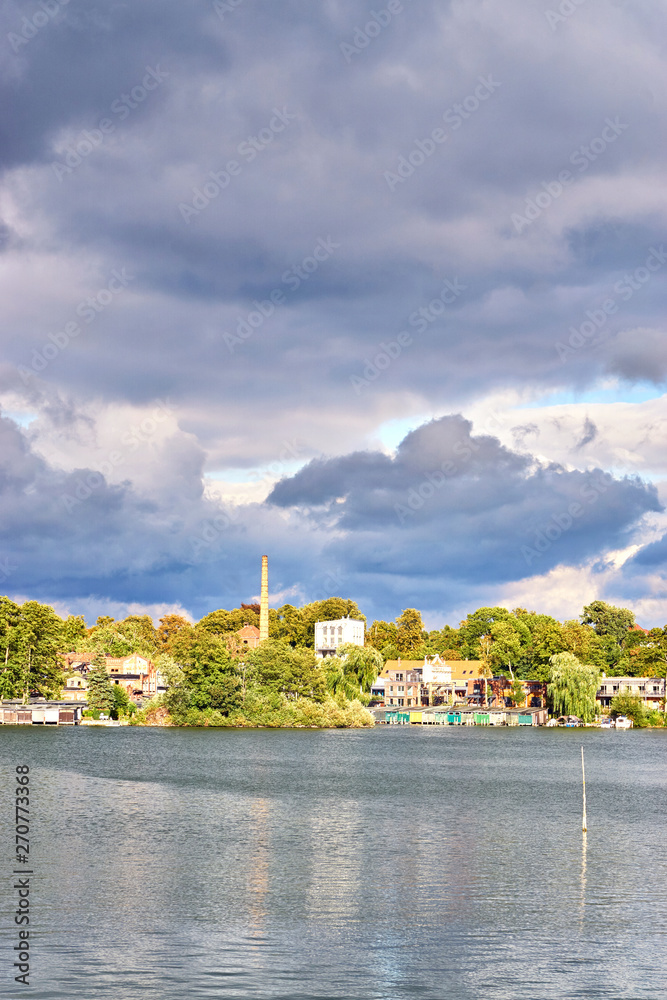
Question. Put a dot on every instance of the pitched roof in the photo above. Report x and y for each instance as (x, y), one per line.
(248, 632)
(461, 669)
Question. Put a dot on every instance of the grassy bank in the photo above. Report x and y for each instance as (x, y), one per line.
(276, 712)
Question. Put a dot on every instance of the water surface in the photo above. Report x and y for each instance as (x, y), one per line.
(391, 863)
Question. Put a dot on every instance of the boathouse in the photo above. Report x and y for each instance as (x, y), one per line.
(39, 712)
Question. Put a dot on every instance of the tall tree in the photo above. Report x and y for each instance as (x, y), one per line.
(608, 620)
(409, 634)
(572, 687)
(39, 641)
(171, 626)
(477, 624)
(74, 631)
(276, 667)
(381, 634)
(100, 689)
(508, 636)
(210, 677)
(363, 663)
(583, 642)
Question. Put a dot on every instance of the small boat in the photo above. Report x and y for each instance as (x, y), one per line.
(569, 720)
(622, 722)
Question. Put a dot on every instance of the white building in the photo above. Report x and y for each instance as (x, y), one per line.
(436, 671)
(330, 635)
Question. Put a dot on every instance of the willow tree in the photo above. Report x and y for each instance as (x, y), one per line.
(362, 664)
(572, 686)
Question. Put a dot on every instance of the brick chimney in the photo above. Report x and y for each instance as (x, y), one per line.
(264, 601)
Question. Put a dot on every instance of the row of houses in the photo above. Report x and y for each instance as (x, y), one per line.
(136, 674)
(405, 684)
(433, 681)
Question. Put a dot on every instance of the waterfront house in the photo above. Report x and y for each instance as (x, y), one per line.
(432, 681)
(40, 712)
(650, 690)
(330, 635)
(136, 674)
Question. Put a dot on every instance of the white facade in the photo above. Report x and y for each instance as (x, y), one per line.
(436, 671)
(330, 635)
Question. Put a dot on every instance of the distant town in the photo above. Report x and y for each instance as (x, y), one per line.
(322, 665)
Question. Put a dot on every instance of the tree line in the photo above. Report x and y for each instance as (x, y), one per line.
(208, 671)
(521, 643)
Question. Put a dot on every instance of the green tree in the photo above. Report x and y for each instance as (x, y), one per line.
(363, 663)
(39, 638)
(517, 693)
(508, 636)
(122, 704)
(477, 624)
(546, 639)
(446, 642)
(390, 652)
(276, 667)
(409, 632)
(608, 620)
(293, 628)
(74, 631)
(12, 667)
(171, 626)
(338, 681)
(210, 678)
(645, 654)
(583, 642)
(381, 634)
(630, 705)
(100, 689)
(572, 687)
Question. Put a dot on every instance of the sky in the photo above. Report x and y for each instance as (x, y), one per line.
(377, 290)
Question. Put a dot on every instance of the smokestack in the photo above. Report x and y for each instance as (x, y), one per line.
(264, 601)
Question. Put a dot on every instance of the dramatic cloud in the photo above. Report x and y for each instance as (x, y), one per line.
(294, 224)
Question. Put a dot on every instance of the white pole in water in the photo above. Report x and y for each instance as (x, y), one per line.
(584, 827)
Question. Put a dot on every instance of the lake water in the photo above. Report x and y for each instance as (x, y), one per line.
(391, 863)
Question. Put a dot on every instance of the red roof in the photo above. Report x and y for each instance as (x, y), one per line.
(248, 632)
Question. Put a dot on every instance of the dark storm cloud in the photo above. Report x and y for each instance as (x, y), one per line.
(429, 156)
(71, 536)
(463, 507)
(324, 176)
(639, 355)
(450, 515)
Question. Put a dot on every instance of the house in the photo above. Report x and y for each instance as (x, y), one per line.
(403, 687)
(248, 637)
(500, 692)
(137, 674)
(330, 635)
(432, 681)
(650, 690)
(76, 687)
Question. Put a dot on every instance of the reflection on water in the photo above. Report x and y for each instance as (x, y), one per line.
(258, 882)
(582, 903)
(394, 863)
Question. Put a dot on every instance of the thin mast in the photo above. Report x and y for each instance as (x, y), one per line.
(584, 825)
